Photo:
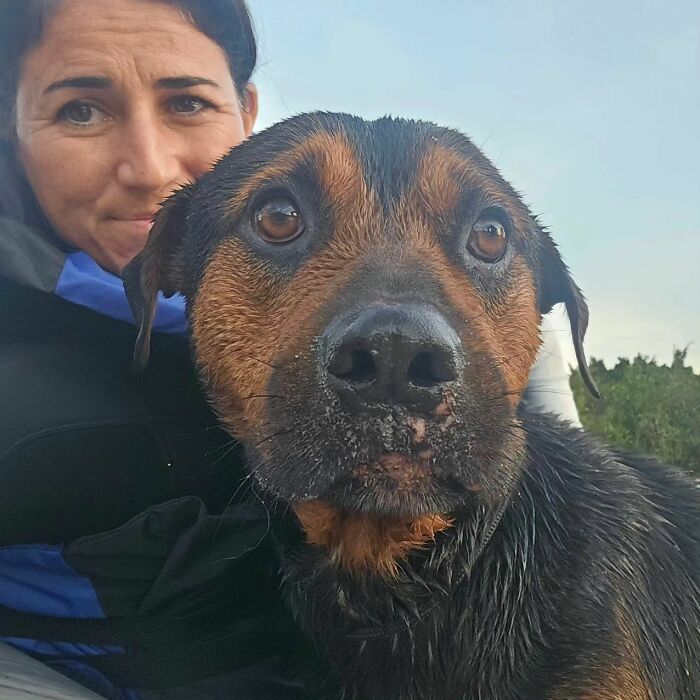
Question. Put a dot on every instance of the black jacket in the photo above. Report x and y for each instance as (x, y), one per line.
(124, 526)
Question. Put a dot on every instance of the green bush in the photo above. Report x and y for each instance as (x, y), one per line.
(646, 408)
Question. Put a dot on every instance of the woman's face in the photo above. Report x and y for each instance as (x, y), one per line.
(120, 103)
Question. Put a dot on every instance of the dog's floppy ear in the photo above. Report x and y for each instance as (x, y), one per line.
(156, 268)
(556, 286)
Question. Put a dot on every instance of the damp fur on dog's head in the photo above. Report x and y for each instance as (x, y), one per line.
(324, 226)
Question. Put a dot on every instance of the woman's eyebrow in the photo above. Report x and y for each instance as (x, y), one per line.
(86, 81)
(89, 81)
(185, 81)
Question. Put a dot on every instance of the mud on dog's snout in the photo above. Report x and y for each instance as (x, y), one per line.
(402, 354)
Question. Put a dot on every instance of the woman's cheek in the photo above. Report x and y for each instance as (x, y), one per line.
(209, 144)
(68, 175)
(65, 170)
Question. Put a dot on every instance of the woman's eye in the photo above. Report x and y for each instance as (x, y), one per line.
(186, 104)
(278, 221)
(487, 240)
(79, 113)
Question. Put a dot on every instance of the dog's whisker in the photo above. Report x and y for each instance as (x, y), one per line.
(257, 359)
(227, 449)
(511, 358)
(241, 489)
(531, 388)
(253, 547)
(262, 396)
(197, 431)
(271, 437)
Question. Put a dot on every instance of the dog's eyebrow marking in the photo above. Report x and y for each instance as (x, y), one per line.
(441, 178)
(445, 175)
(335, 162)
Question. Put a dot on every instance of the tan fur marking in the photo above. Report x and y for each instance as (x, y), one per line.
(440, 181)
(245, 322)
(624, 680)
(515, 321)
(366, 543)
(233, 335)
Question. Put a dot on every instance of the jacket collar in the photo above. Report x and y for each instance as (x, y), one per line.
(32, 255)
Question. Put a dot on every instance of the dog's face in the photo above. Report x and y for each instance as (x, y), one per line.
(364, 301)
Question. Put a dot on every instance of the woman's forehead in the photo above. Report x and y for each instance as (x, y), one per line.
(108, 39)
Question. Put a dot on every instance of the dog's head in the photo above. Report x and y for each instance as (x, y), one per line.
(364, 301)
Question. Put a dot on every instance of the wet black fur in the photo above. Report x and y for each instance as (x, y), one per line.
(588, 532)
(589, 539)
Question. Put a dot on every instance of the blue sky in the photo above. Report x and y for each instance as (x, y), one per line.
(592, 111)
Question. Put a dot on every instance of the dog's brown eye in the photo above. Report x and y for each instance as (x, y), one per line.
(487, 240)
(278, 221)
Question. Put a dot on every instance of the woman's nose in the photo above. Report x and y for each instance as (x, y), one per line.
(148, 157)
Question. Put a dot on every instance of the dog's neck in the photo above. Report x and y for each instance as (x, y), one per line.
(384, 607)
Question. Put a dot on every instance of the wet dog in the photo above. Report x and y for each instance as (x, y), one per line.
(364, 301)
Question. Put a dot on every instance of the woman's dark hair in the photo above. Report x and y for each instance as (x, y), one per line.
(22, 22)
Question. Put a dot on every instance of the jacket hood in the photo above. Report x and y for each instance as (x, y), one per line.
(32, 255)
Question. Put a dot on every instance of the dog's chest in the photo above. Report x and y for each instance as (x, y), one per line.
(445, 637)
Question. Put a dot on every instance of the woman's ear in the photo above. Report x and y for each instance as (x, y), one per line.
(557, 286)
(250, 108)
(157, 267)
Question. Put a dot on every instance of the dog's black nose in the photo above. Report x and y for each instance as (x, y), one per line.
(391, 353)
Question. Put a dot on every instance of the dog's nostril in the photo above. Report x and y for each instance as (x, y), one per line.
(354, 366)
(428, 369)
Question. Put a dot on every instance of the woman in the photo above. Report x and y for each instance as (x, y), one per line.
(110, 105)
(124, 563)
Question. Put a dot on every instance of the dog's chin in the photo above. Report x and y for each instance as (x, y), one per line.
(381, 496)
(392, 484)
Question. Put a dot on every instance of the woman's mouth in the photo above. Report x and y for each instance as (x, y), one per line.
(137, 226)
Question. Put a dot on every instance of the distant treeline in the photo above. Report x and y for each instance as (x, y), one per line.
(646, 408)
